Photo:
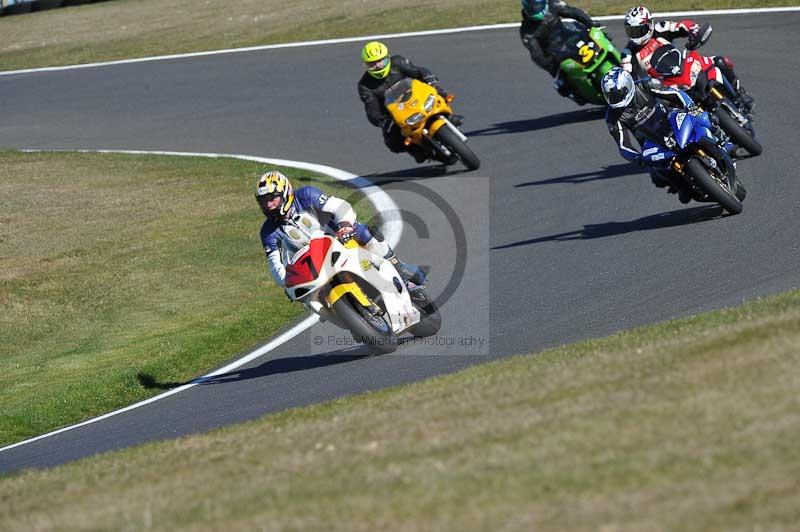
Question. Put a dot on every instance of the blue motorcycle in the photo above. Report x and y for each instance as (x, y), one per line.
(700, 161)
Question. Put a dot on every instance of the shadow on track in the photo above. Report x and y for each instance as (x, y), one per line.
(609, 172)
(543, 122)
(431, 171)
(270, 367)
(655, 221)
(414, 174)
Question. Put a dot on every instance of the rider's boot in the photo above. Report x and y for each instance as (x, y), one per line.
(685, 194)
(411, 273)
(744, 99)
(741, 97)
(736, 152)
(419, 154)
(563, 88)
(662, 178)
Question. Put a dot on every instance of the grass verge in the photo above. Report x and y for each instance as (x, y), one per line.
(125, 29)
(116, 265)
(687, 425)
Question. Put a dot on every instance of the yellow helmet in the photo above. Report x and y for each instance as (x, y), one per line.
(375, 56)
(274, 185)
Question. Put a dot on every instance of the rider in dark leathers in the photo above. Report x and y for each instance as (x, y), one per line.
(636, 112)
(541, 21)
(376, 81)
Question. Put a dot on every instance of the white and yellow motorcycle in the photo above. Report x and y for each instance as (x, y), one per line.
(359, 291)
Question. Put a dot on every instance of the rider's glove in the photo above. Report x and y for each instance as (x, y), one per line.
(345, 232)
(694, 110)
(561, 87)
(443, 93)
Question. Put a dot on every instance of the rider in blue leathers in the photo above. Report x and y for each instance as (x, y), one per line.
(288, 223)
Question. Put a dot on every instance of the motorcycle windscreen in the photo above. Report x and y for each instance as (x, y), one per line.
(306, 267)
(399, 92)
(567, 42)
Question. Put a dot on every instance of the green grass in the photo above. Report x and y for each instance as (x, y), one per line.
(687, 425)
(124, 29)
(119, 265)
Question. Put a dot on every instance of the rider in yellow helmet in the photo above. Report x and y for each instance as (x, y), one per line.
(292, 216)
(383, 71)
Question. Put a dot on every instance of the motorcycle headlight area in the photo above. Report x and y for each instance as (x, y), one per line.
(429, 101)
(414, 119)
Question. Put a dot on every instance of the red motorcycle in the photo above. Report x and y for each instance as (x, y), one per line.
(699, 77)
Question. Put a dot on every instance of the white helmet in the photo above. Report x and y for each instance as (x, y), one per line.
(639, 25)
(618, 88)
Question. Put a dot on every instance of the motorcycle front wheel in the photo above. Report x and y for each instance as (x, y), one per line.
(464, 152)
(715, 190)
(366, 328)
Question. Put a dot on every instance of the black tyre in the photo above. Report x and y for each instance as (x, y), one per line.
(430, 319)
(738, 134)
(366, 328)
(464, 152)
(741, 192)
(715, 190)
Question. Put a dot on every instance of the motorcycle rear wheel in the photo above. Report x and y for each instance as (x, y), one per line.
(695, 169)
(430, 320)
(464, 152)
(366, 328)
(738, 135)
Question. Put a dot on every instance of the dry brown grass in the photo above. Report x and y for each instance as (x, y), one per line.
(690, 425)
(137, 28)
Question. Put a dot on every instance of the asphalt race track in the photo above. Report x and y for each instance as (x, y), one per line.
(562, 240)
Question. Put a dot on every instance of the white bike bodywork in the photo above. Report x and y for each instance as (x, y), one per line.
(324, 270)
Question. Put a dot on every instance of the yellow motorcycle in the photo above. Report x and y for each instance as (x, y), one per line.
(423, 117)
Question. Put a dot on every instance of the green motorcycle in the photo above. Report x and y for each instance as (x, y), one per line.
(586, 54)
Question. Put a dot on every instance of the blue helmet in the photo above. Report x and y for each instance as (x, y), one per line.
(535, 9)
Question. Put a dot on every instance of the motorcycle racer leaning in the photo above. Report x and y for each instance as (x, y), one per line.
(646, 36)
(636, 112)
(288, 224)
(383, 71)
(541, 19)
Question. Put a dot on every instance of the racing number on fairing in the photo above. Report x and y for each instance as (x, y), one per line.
(586, 53)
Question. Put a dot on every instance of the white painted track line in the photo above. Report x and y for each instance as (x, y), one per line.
(327, 42)
(392, 228)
